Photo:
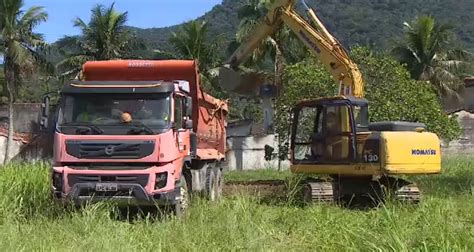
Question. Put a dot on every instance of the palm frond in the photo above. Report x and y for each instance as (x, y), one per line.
(429, 55)
(78, 22)
(17, 53)
(32, 18)
(72, 64)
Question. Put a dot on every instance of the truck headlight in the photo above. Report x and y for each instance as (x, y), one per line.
(161, 179)
(58, 180)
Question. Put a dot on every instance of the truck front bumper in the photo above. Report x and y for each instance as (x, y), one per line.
(126, 194)
(130, 187)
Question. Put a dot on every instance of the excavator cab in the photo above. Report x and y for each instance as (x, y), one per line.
(324, 130)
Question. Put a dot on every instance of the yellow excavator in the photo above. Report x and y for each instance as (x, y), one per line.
(331, 137)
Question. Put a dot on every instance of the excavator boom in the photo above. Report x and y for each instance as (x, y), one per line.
(315, 36)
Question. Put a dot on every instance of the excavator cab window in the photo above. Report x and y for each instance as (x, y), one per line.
(305, 125)
(324, 133)
(361, 117)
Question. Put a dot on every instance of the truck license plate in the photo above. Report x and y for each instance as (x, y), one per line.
(106, 187)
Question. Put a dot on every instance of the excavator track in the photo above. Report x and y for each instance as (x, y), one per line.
(408, 193)
(318, 191)
(402, 190)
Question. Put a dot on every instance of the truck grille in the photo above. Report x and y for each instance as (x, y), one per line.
(141, 179)
(110, 149)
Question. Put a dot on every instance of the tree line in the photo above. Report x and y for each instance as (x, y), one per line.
(427, 63)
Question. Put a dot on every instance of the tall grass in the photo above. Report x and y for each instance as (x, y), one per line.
(443, 221)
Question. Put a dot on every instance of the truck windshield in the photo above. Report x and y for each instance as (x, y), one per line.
(108, 110)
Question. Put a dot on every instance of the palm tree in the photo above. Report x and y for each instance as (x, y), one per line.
(192, 42)
(429, 54)
(250, 15)
(104, 37)
(18, 45)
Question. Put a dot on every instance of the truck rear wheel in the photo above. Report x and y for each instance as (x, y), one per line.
(219, 183)
(214, 183)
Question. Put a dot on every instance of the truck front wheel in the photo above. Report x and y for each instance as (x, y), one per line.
(182, 200)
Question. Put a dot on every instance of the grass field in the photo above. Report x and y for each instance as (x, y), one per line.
(443, 221)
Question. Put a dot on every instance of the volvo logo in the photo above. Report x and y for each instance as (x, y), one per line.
(109, 150)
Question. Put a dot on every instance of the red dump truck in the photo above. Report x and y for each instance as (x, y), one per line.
(137, 133)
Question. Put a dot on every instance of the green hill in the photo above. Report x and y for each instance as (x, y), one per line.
(376, 23)
(223, 21)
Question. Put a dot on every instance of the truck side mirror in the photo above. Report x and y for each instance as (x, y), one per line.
(189, 106)
(44, 113)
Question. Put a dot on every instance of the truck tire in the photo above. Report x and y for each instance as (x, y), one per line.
(183, 200)
(211, 183)
(219, 183)
(214, 183)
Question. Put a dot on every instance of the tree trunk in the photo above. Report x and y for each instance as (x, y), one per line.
(279, 67)
(9, 79)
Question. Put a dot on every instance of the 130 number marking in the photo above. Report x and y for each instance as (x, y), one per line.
(371, 158)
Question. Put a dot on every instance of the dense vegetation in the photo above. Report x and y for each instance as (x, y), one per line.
(442, 222)
(378, 24)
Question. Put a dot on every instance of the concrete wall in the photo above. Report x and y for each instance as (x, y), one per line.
(15, 149)
(25, 121)
(469, 98)
(465, 143)
(467, 102)
(248, 153)
(40, 147)
(25, 118)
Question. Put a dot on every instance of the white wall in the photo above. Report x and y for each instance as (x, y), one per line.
(14, 150)
(465, 143)
(248, 153)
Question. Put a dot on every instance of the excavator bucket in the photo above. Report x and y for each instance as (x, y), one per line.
(247, 83)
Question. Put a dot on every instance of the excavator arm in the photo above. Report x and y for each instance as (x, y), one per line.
(316, 37)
